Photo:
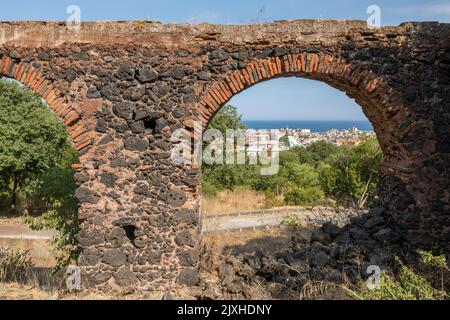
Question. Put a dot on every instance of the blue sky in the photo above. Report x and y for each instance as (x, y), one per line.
(278, 99)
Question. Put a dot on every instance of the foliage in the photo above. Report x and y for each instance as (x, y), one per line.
(351, 176)
(433, 261)
(292, 221)
(208, 189)
(304, 196)
(407, 285)
(233, 175)
(318, 174)
(318, 152)
(272, 200)
(57, 187)
(14, 265)
(32, 138)
(36, 156)
(227, 118)
(229, 176)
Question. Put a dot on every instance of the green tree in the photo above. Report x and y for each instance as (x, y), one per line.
(318, 152)
(301, 184)
(295, 174)
(227, 118)
(351, 176)
(57, 187)
(227, 176)
(304, 196)
(32, 138)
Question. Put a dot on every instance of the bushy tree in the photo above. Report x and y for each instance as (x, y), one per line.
(304, 196)
(32, 138)
(57, 187)
(36, 155)
(351, 176)
(301, 185)
(319, 152)
(227, 118)
(227, 176)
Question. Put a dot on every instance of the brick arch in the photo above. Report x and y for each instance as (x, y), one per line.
(369, 90)
(29, 76)
(384, 106)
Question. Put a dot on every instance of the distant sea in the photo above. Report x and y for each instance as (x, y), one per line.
(314, 125)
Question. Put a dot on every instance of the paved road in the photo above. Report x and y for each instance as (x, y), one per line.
(272, 218)
(23, 232)
(243, 222)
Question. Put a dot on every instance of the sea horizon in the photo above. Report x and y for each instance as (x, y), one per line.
(313, 125)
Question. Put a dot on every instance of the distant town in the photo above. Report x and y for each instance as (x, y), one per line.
(286, 139)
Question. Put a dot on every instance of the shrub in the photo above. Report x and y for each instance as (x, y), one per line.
(304, 196)
(57, 188)
(407, 285)
(292, 221)
(209, 190)
(32, 137)
(14, 265)
(272, 200)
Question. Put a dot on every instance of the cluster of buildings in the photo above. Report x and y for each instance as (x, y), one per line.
(285, 139)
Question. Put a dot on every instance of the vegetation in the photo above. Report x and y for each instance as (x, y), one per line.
(32, 139)
(407, 284)
(14, 265)
(35, 159)
(308, 176)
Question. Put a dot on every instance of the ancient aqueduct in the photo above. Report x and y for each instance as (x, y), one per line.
(122, 88)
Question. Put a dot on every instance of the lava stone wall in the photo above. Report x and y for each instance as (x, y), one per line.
(124, 88)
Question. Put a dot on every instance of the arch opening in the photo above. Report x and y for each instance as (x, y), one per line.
(295, 140)
(38, 156)
(383, 106)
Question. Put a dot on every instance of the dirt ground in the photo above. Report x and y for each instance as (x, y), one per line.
(232, 201)
(15, 291)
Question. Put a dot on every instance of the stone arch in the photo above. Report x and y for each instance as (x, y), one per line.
(29, 76)
(385, 107)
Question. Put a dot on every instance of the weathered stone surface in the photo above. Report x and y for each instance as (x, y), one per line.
(175, 197)
(146, 74)
(136, 144)
(189, 277)
(124, 110)
(86, 195)
(114, 257)
(187, 216)
(154, 257)
(89, 258)
(126, 71)
(125, 277)
(108, 179)
(189, 258)
(320, 259)
(387, 235)
(321, 237)
(117, 236)
(184, 238)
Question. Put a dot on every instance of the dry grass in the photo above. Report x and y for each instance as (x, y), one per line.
(11, 219)
(15, 291)
(39, 250)
(239, 200)
(322, 290)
